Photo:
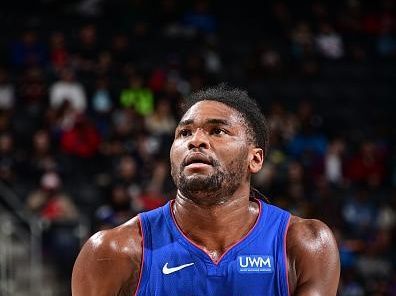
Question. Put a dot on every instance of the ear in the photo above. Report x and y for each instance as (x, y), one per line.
(256, 160)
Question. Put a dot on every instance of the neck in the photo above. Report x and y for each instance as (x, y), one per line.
(216, 228)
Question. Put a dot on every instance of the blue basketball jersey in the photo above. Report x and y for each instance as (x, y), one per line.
(174, 265)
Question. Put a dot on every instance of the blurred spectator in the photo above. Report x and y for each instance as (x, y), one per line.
(147, 155)
(120, 49)
(386, 216)
(118, 209)
(49, 202)
(59, 53)
(161, 121)
(367, 165)
(68, 89)
(89, 8)
(42, 158)
(372, 264)
(5, 118)
(320, 11)
(157, 79)
(280, 18)
(350, 18)
(33, 90)
(127, 175)
(86, 49)
(174, 90)
(351, 286)
(386, 43)
(102, 105)
(138, 97)
(151, 199)
(302, 40)
(327, 204)
(334, 162)
(134, 15)
(271, 61)
(102, 102)
(105, 66)
(28, 50)
(168, 17)
(8, 164)
(271, 177)
(61, 119)
(81, 140)
(359, 212)
(309, 144)
(376, 20)
(199, 18)
(157, 185)
(264, 62)
(212, 57)
(282, 122)
(126, 172)
(7, 92)
(265, 179)
(60, 216)
(169, 82)
(126, 124)
(194, 65)
(296, 190)
(329, 42)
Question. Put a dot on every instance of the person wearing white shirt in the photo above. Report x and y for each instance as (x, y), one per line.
(68, 89)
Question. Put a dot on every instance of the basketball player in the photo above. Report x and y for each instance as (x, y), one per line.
(216, 237)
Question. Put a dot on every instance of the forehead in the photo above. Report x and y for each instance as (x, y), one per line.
(207, 109)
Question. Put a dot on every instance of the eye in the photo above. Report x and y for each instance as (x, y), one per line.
(185, 133)
(218, 131)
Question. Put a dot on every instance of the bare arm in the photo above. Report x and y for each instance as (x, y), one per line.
(314, 265)
(109, 262)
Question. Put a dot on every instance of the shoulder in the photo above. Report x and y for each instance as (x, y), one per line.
(109, 262)
(309, 233)
(122, 241)
(313, 256)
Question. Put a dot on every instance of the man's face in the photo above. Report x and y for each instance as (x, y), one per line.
(210, 153)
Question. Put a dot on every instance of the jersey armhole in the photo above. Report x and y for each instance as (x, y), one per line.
(143, 259)
(286, 261)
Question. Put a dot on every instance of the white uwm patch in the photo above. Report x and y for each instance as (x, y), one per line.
(255, 263)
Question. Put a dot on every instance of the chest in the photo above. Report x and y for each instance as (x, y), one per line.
(174, 265)
(178, 269)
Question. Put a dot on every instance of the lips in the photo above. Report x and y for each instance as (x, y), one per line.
(197, 158)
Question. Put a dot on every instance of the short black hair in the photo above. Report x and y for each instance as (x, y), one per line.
(257, 125)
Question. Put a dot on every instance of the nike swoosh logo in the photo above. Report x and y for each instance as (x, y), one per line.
(166, 270)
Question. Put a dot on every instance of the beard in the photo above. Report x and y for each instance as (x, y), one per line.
(214, 188)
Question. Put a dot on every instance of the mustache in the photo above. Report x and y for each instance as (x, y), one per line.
(213, 162)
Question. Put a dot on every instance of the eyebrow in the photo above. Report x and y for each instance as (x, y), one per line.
(208, 121)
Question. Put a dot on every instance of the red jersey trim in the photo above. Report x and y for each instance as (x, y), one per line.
(142, 260)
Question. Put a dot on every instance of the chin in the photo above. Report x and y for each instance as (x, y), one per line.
(199, 182)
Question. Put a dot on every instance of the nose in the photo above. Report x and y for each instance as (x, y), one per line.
(198, 140)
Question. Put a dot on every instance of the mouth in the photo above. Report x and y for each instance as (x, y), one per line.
(197, 159)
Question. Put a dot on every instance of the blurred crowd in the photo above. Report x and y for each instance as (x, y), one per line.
(89, 100)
